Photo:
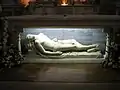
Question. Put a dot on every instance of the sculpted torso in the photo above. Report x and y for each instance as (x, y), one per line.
(49, 44)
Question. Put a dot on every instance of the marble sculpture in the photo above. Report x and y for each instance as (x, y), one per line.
(48, 46)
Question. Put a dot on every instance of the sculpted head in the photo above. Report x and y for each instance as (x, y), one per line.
(29, 36)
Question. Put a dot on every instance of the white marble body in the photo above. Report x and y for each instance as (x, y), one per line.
(43, 42)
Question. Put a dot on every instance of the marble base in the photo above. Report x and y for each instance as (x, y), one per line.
(74, 57)
(64, 60)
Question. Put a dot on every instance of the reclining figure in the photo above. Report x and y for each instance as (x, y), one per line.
(55, 47)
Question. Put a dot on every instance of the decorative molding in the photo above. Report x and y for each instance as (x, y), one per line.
(66, 20)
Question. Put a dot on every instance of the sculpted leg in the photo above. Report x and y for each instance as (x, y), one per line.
(78, 45)
(64, 47)
(86, 47)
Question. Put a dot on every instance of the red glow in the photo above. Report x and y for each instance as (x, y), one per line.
(26, 2)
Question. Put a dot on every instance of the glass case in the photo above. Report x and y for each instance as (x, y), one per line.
(63, 43)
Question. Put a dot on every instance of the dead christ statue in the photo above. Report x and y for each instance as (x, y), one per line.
(46, 46)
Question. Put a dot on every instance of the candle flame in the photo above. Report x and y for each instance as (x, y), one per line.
(64, 2)
(26, 2)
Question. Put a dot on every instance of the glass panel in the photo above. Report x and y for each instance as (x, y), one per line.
(63, 43)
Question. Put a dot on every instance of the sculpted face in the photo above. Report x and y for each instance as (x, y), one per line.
(30, 36)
